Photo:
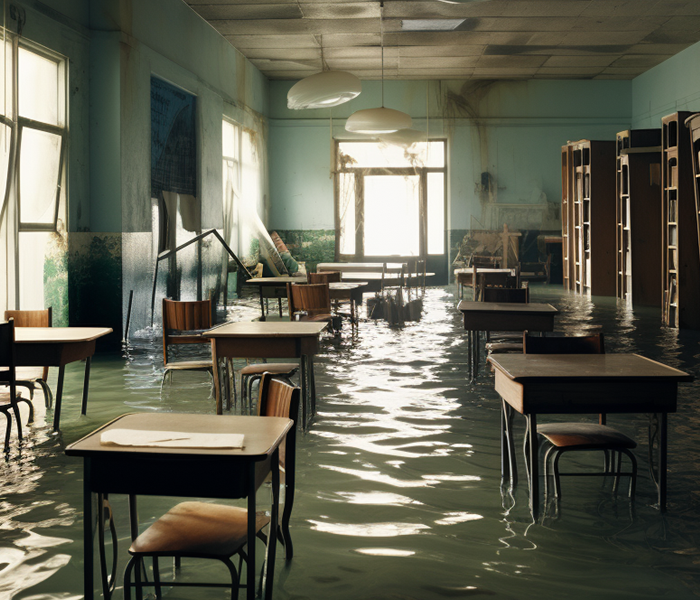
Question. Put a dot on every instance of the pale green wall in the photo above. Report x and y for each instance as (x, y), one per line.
(672, 86)
(512, 129)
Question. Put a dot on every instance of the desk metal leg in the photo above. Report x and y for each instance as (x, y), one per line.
(262, 305)
(509, 467)
(215, 375)
(86, 385)
(303, 377)
(59, 398)
(533, 460)
(250, 570)
(268, 576)
(663, 459)
(88, 534)
(312, 386)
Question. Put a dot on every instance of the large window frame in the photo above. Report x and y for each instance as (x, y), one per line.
(359, 174)
(13, 210)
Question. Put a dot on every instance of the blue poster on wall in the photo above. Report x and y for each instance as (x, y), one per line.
(173, 147)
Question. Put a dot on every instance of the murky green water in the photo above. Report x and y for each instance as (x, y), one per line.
(398, 490)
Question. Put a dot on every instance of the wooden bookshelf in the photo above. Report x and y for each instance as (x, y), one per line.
(592, 225)
(567, 218)
(638, 213)
(681, 257)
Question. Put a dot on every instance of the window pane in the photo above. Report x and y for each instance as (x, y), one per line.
(346, 208)
(230, 147)
(391, 215)
(38, 87)
(5, 136)
(38, 175)
(32, 250)
(372, 155)
(436, 213)
(6, 79)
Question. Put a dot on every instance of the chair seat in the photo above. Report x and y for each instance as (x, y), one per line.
(590, 435)
(29, 373)
(501, 347)
(190, 364)
(274, 368)
(193, 528)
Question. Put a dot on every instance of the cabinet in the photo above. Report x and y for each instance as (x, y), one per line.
(591, 176)
(680, 258)
(638, 214)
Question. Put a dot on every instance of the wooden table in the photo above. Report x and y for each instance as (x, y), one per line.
(502, 316)
(270, 339)
(276, 283)
(56, 347)
(578, 384)
(466, 276)
(201, 473)
(347, 290)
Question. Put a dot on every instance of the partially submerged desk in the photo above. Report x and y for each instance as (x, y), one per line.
(191, 472)
(56, 347)
(533, 384)
(502, 316)
(276, 284)
(270, 339)
(348, 290)
(465, 277)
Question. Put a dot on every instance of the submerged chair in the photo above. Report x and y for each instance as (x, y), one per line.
(568, 437)
(311, 302)
(183, 323)
(9, 400)
(214, 531)
(30, 377)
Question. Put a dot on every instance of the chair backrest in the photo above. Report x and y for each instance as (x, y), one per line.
(311, 298)
(493, 262)
(279, 399)
(324, 277)
(32, 318)
(7, 356)
(503, 294)
(182, 319)
(589, 344)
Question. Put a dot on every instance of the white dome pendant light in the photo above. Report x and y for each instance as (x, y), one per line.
(377, 121)
(323, 90)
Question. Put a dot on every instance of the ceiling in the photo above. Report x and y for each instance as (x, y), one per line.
(487, 39)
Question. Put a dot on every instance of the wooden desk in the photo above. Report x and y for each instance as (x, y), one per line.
(56, 347)
(201, 473)
(466, 276)
(346, 290)
(270, 339)
(275, 283)
(498, 316)
(582, 383)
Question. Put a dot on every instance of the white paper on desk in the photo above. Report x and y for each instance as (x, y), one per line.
(170, 439)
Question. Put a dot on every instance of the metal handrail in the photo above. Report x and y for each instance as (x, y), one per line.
(197, 238)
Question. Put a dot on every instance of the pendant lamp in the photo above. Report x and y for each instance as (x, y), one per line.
(377, 121)
(324, 90)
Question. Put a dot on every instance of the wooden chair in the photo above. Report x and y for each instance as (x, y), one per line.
(310, 302)
(489, 262)
(30, 377)
(183, 323)
(505, 294)
(252, 373)
(567, 437)
(214, 531)
(324, 277)
(9, 400)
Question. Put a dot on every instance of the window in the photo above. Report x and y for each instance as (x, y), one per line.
(32, 158)
(242, 187)
(390, 200)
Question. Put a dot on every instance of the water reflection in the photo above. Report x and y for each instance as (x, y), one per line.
(405, 448)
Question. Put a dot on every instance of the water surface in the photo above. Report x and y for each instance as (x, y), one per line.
(398, 481)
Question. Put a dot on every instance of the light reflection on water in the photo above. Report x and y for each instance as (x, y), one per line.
(398, 486)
